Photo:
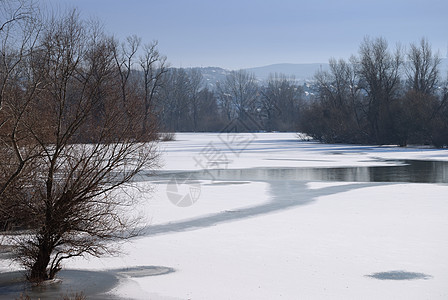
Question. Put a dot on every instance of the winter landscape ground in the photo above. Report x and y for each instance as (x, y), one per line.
(271, 216)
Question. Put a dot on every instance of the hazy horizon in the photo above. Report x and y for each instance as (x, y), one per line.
(240, 34)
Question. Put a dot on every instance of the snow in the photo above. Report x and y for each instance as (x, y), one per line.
(284, 239)
(282, 150)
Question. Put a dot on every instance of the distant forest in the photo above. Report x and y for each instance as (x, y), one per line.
(239, 102)
(379, 96)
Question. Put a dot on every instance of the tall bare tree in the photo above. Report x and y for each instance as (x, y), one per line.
(175, 101)
(280, 102)
(419, 107)
(125, 58)
(154, 68)
(20, 28)
(73, 95)
(379, 72)
(422, 67)
(238, 95)
(195, 86)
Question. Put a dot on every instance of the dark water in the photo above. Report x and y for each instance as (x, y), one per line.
(399, 275)
(94, 285)
(287, 187)
(416, 171)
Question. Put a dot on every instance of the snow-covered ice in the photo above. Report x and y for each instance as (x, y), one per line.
(286, 239)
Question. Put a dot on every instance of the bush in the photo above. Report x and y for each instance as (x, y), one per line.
(167, 136)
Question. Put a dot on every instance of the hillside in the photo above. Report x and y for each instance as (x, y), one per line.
(301, 72)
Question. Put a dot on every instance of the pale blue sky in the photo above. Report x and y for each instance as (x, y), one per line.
(239, 33)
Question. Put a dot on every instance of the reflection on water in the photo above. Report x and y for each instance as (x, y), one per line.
(403, 171)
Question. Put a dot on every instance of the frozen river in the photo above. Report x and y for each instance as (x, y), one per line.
(417, 171)
(267, 216)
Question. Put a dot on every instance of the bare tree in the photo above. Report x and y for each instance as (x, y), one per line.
(280, 102)
(195, 86)
(238, 94)
(422, 68)
(417, 111)
(154, 67)
(18, 30)
(18, 35)
(72, 202)
(13, 11)
(335, 114)
(186, 104)
(124, 56)
(364, 100)
(379, 72)
(209, 118)
(175, 101)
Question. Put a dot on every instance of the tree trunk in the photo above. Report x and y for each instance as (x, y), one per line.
(39, 270)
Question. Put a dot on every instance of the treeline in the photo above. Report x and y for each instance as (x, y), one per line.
(239, 103)
(380, 96)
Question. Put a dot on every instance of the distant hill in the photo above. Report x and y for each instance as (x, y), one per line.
(212, 75)
(301, 72)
